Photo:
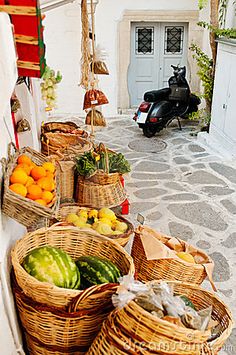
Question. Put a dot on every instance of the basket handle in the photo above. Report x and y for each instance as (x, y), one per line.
(9, 149)
(103, 149)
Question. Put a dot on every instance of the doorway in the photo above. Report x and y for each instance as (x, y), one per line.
(154, 47)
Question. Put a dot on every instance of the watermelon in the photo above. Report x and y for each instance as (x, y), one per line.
(53, 265)
(95, 270)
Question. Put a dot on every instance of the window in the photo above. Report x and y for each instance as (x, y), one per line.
(144, 40)
(174, 40)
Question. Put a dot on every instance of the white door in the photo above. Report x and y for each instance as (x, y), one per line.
(154, 47)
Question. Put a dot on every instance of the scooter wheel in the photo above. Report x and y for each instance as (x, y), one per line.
(149, 131)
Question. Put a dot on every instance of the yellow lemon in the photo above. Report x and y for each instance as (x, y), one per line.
(106, 213)
(71, 218)
(121, 226)
(83, 214)
(186, 257)
(106, 221)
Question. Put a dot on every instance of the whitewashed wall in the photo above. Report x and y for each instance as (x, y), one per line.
(62, 37)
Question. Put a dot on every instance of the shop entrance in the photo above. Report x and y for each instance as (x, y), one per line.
(154, 47)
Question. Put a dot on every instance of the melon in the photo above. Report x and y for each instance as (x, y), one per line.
(52, 265)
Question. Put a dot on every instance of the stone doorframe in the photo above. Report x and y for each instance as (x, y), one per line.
(195, 33)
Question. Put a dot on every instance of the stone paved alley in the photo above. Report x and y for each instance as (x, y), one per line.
(185, 190)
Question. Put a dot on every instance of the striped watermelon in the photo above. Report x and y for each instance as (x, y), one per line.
(53, 265)
(95, 270)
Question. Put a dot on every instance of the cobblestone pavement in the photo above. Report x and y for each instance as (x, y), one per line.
(182, 189)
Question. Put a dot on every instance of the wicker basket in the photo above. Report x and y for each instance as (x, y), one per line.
(24, 210)
(65, 144)
(121, 239)
(66, 172)
(66, 127)
(51, 330)
(166, 269)
(132, 330)
(98, 196)
(102, 178)
(75, 242)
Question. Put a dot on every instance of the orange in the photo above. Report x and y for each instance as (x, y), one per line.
(34, 192)
(46, 183)
(29, 182)
(41, 202)
(47, 196)
(49, 174)
(18, 189)
(24, 167)
(38, 172)
(48, 166)
(19, 176)
(24, 159)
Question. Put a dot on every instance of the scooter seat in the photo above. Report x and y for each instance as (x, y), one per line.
(156, 95)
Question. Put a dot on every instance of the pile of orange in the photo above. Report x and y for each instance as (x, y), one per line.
(36, 182)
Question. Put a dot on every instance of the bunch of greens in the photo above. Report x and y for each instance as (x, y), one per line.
(88, 163)
(118, 163)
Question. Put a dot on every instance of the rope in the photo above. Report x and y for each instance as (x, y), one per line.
(85, 58)
(93, 59)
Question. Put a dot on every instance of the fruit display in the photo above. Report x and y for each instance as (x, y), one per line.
(95, 271)
(32, 181)
(53, 265)
(104, 221)
(48, 87)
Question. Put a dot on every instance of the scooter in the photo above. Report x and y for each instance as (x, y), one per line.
(161, 107)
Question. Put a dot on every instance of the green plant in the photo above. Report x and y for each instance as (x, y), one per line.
(202, 4)
(219, 32)
(202, 116)
(205, 73)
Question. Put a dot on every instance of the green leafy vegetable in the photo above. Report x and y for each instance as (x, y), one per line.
(86, 164)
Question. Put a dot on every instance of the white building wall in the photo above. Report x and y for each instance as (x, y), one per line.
(63, 41)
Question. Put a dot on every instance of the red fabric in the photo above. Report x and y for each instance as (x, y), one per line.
(15, 132)
(125, 207)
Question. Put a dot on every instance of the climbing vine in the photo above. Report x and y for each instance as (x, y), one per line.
(219, 32)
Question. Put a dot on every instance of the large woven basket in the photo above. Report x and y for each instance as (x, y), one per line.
(66, 171)
(121, 239)
(24, 210)
(51, 330)
(166, 269)
(75, 242)
(66, 127)
(132, 330)
(98, 196)
(103, 178)
(68, 145)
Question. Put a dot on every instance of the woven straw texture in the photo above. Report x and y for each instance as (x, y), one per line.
(66, 144)
(76, 242)
(98, 196)
(66, 127)
(24, 210)
(52, 330)
(165, 269)
(102, 178)
(121, 239)
(66, 170)
(132, 330)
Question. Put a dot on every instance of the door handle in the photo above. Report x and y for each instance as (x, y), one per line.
(224, 106)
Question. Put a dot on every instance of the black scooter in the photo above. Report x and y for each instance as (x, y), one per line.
(161, 107)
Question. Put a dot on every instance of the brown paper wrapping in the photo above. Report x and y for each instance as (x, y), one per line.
(160, 246)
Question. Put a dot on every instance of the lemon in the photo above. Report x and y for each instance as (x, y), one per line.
(106, 221)
(102, 228)
(80, 222)
(186, 257)
(121, 227)
(106, 213)
(71, 218)
(83, 214)
(93, 214)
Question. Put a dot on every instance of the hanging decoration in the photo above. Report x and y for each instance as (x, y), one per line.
(28, 32)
